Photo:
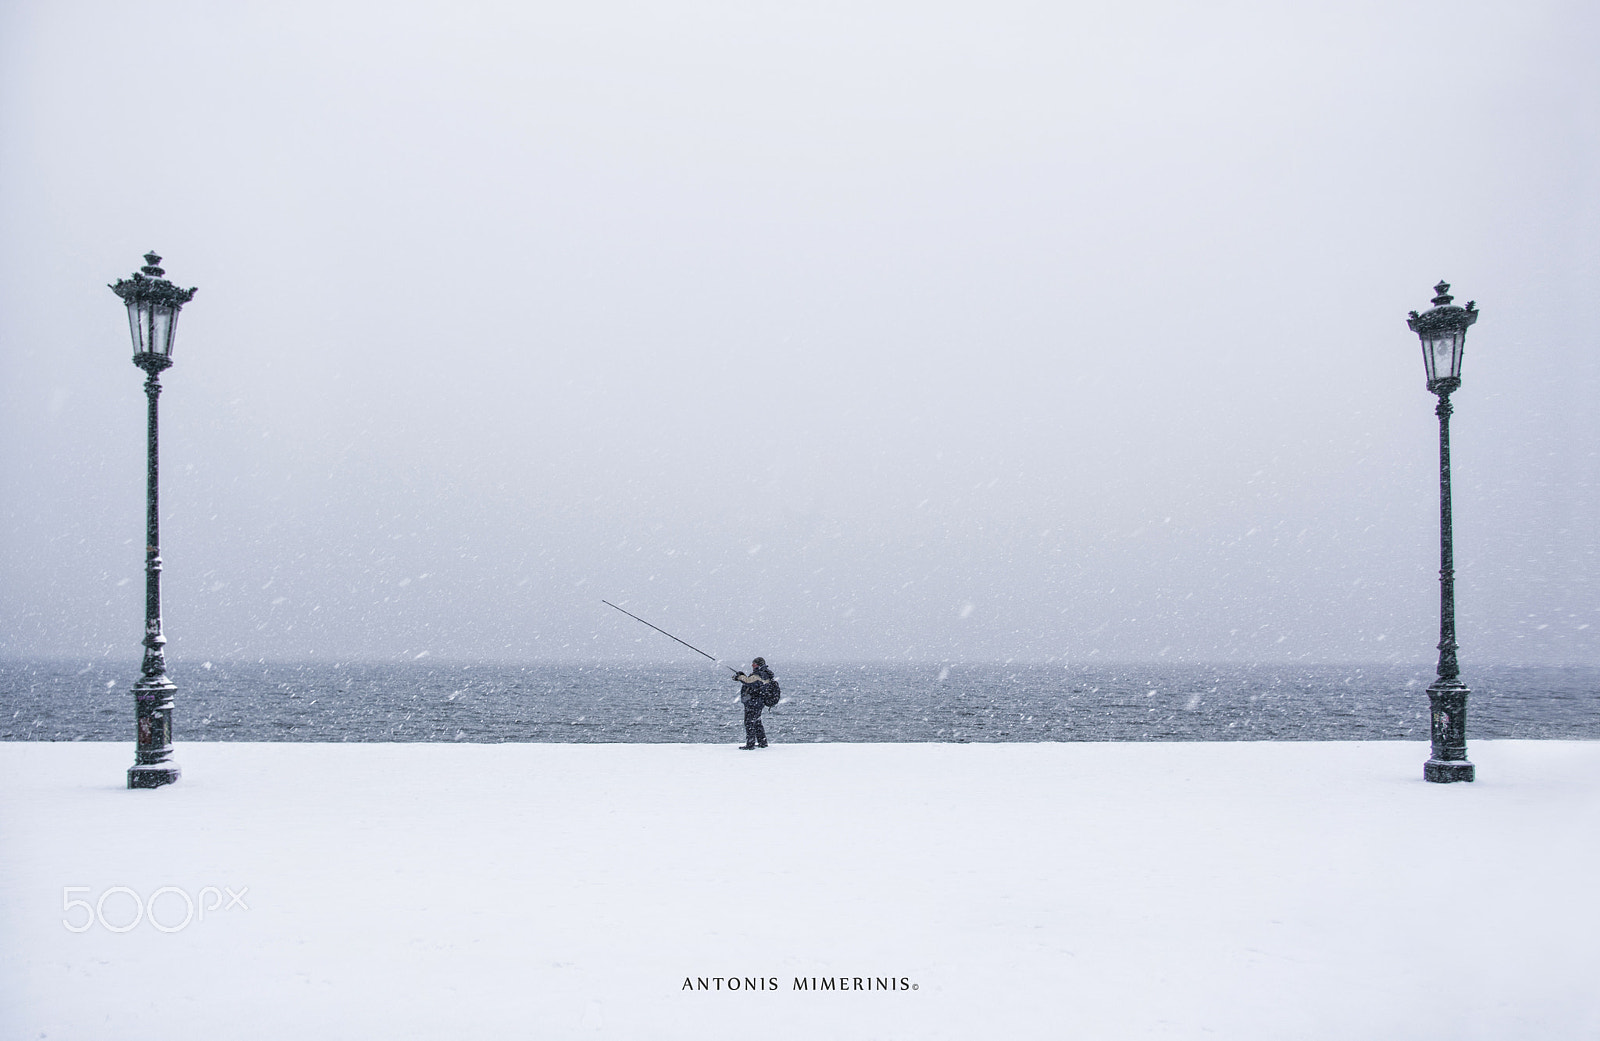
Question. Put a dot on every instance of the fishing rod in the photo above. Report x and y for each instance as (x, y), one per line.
(663, 632)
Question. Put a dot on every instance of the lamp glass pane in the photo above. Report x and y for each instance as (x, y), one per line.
(1447, 355)
(1438, 354)
(172, 331)
(161, 322)
(133, 327)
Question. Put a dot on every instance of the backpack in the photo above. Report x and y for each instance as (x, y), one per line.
(770, 694)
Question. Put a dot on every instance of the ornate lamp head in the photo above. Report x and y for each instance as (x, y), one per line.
(153, 305)
(1443, 332)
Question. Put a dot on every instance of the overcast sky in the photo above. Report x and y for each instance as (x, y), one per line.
(941, 331)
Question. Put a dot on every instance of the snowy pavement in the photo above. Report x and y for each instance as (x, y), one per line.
(1236, 891)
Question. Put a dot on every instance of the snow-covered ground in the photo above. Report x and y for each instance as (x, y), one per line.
(998, 891)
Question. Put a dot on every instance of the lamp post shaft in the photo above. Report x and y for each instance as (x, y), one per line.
(1447, 697)
(1449, 670)
(152, 694)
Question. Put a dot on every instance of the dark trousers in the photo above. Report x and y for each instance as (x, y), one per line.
(754, 732)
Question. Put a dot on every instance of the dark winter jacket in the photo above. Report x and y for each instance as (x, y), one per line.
(758, 690)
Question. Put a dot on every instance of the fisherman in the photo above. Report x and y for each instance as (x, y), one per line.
(758, 689)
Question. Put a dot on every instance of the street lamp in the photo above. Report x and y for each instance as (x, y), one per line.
(153, 306)
(1443, 332)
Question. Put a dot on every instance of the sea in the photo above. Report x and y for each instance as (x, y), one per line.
(430, 700)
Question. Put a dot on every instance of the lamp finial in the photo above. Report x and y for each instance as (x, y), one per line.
(1442, 289)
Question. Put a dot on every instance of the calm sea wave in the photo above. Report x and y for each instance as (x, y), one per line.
(437, 701)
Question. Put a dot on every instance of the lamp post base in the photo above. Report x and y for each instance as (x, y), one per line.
(1447, 700)
(1443, 771)
(154, 775)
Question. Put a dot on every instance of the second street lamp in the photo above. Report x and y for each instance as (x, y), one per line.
(1443, 332)
(153, 305)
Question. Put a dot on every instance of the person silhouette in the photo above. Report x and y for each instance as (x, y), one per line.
(758, 689)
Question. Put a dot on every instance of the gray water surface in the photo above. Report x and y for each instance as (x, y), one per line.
(436, 701)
